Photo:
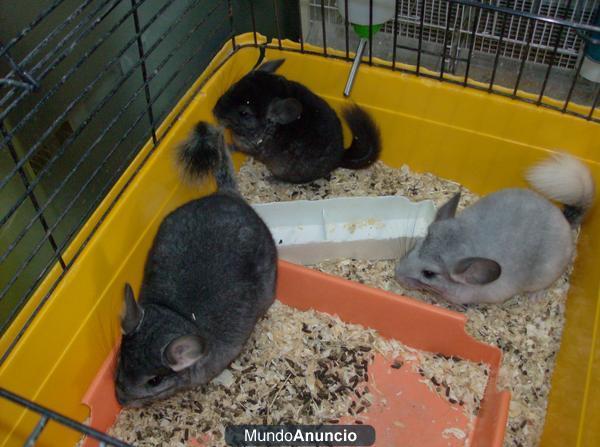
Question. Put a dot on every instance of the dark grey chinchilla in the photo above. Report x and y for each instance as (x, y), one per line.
(209, 276)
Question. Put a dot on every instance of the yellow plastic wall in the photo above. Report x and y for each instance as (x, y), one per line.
(481, 140)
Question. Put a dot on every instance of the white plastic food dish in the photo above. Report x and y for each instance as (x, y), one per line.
(373, 228)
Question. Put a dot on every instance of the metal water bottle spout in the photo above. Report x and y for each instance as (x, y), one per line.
(357, 59)
(367, 18)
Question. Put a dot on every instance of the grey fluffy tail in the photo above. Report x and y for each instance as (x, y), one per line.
(567, 180)
(366, 139)
(205, 153)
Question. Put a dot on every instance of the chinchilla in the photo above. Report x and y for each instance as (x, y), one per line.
(509, 242)
(291, 130)
(209, 276)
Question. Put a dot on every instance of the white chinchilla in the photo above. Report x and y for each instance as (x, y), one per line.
(509, 242)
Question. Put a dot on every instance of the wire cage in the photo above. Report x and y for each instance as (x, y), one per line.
(84, 84)
(525, 50)
(513, 33)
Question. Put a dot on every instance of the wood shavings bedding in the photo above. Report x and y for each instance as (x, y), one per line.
(298, 367)
(527, 329)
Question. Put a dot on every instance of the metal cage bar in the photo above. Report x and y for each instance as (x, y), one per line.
(526, 33)
(346, 29)
(498, 51)
(323, 24)
(48, 69)
(395, 34)
(88, 88)
(142, 58)
(41, 16)
(92, 114)
(83, 24)
(277, 21)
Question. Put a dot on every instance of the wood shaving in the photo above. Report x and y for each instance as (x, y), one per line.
(456, 432)
(298, 367)
(456, 380)
(460, 382)
(526, 328)
(257, 185)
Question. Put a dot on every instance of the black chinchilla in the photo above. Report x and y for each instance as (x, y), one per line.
(291, 130)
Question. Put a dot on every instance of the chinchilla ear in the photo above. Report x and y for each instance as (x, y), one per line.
(183, 352)
(284, 111)
(132, 314)
(476, 271)
(271, 66)
(448, 209)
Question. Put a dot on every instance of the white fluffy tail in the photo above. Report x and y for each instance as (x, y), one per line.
(567, 180)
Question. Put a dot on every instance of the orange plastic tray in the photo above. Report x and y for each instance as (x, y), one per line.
(405, 412)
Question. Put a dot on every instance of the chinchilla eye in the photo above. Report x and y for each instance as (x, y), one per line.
(428, 274)
(155, 381)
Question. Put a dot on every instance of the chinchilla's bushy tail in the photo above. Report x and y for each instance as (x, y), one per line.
(567, 180)
(366, 140)
(204, 153)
